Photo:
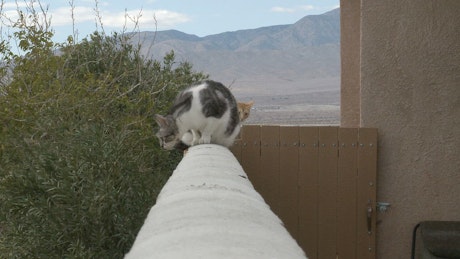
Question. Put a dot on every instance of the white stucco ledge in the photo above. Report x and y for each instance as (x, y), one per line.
(209, 209)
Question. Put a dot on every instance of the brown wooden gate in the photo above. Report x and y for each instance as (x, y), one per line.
(320, 181)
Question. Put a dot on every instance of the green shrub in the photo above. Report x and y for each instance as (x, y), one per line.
(80, 166)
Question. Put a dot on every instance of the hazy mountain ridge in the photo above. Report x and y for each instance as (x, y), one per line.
(278, 66)
(312, 30)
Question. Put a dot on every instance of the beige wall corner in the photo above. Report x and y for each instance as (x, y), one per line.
(350, 60)
(410, 91)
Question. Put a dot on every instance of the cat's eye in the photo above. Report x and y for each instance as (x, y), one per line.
(169, 138)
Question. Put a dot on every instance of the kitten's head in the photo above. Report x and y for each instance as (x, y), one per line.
(168, 134)
(244, 109)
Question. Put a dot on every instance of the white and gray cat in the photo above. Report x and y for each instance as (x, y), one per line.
(204, 113)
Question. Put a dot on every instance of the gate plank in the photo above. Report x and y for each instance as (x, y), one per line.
(269, 157)
(336, 183)
(288, 181)
(236, 147)
(250, 149)
(327, 211)
(346, 193)
(367, 176)
(308, 191)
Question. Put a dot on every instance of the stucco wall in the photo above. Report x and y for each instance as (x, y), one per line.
(350, 62)
(410, 91)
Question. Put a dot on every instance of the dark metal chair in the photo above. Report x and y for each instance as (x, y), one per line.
(440, 239)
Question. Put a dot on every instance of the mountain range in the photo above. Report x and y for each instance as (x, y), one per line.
(290, 69)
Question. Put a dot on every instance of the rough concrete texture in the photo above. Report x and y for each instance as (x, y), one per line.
(209, 209)
(410, 91)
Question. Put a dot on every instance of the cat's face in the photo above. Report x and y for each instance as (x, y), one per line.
(244, 109)
(167, 134)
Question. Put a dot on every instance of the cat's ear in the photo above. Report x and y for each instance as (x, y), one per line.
(161, 120)
(250, 103)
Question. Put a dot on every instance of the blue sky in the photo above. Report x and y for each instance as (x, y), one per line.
(199, 17)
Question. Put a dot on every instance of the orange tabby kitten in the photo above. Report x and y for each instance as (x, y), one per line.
(244, 109)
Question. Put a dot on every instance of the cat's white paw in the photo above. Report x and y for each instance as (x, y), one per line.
(196, 137)
(187, 138)
(205, 139)
(191, 138)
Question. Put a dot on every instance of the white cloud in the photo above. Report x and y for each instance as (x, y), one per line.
(307, 7)
(279, 9)
(301, 8)
(145, 18)
(11, 14)
(62, 16)
(10, 5)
